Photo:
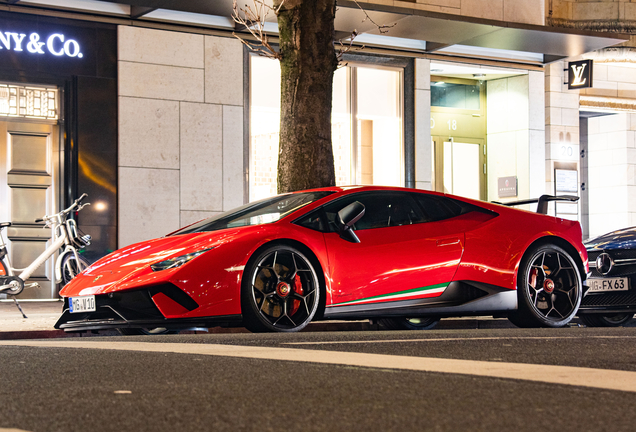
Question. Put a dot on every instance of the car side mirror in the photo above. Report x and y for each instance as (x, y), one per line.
(347, 217)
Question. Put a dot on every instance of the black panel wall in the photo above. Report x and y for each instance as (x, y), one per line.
(97, 159)
(88, 115)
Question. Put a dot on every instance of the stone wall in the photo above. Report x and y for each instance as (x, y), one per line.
(561, 125)
(612, 172)
(180, 130)
(613, 80)
(586, 10)
(614, 16)
(521, 11)
(515, 125)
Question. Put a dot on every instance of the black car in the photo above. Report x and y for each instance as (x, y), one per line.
(610, 300)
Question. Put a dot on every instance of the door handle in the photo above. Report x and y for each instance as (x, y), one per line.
(448, 241)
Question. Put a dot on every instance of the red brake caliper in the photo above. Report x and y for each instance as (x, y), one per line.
(298, 289)
(533, 278)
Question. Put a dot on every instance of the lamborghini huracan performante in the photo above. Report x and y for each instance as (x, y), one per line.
(403, 257)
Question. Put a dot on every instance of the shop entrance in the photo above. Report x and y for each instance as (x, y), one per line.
(462, 163)
(458, 132)
(29, 161)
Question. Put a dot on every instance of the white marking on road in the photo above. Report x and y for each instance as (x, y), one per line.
(507, 338)
(576, 376)
(122, 392)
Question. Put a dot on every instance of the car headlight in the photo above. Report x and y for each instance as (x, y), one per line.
(177, 261)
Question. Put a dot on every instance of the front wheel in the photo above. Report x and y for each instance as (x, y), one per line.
(71, 268)
(549, 288)
(280, 291)
(409, 323)
(606, 320)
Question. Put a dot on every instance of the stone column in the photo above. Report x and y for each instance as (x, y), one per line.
(423, 150)
(561, 125)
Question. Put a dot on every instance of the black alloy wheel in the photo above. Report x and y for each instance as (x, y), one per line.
(549, 288)
(418, 323)
(606, 320)
(71, 268)
(280, 291)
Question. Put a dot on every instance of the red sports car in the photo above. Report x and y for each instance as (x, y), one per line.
(404, 257)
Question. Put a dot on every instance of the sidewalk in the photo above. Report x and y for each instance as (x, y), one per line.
(42, 316)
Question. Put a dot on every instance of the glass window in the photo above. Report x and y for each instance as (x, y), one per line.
(451, 95)
(436, 208)
(256, 213)
(382, 209)
(379, 142)
(366, 126)
(28, 102)
(264, 126)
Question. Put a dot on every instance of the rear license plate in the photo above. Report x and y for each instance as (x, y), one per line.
(82, 304)
(608, 284)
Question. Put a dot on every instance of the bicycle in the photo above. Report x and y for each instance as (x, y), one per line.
(68, 264)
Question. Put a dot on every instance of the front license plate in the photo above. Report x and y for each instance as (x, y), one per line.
(82, 304)
(608, 284)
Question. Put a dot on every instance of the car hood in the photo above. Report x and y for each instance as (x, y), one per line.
(132, 262)
(619, 239)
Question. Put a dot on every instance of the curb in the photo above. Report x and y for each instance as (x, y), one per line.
(326, 326)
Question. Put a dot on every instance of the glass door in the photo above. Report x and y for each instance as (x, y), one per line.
(460, 167)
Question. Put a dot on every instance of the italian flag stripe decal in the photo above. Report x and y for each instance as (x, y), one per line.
(423, 292)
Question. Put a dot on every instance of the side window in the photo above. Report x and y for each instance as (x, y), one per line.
(314, 221)
(436, 208)
(382, 209)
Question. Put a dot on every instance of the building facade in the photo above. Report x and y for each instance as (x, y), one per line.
(606, 122)
(164, 117)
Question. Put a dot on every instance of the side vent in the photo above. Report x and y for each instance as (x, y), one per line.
(173, 293)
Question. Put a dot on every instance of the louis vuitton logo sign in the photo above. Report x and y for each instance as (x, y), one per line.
(580, 74)
(56, 44)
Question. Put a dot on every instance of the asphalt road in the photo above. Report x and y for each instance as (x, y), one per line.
(571, 379)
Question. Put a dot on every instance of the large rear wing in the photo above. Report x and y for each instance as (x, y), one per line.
(542, 201)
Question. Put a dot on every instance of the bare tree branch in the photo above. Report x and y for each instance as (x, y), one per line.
(381, 28)
(344, 47)
(253, 19)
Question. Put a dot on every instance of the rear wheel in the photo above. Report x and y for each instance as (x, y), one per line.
(71, 267)
(280, 291)
(549, 288)
(17, 284)
(606, 320)
(422, 323)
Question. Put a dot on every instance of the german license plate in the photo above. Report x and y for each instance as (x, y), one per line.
(608, 284)
(82, 304)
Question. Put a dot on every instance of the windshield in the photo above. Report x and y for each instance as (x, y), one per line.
(256, 213)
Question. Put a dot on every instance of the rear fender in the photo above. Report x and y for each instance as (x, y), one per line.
(562, 243)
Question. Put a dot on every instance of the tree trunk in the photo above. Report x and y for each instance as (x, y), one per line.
(308, 61)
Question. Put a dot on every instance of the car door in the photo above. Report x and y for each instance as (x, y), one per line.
(404, 253)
